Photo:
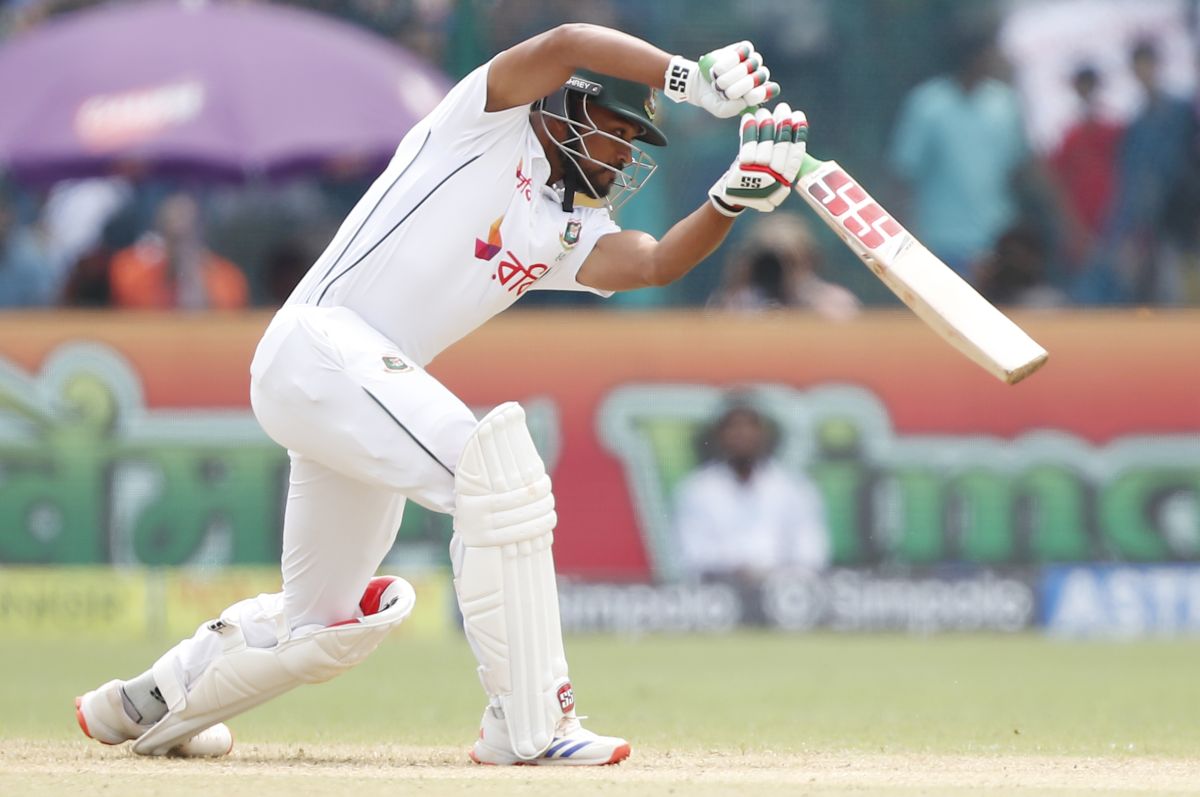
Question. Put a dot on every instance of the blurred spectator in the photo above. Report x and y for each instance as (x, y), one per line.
(959, 144)
(26, 278)
(171, 267)
(1158, 199)
(89, 281)
(1015, 273)
(741, 516)
(778, 265)
(1084, 166)
(75, 215)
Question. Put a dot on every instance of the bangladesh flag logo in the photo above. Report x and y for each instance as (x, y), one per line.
(570, 235)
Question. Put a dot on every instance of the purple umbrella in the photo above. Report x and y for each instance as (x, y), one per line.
(203, 89)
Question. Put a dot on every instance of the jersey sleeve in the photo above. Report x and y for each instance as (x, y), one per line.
(595, 223)
(460, 116)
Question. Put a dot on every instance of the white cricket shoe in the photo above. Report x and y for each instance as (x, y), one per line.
(572, 745)
(101, 716)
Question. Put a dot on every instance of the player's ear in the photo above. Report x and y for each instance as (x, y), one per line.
(557, 127)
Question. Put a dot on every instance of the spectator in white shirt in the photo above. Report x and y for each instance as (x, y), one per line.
(742, 516)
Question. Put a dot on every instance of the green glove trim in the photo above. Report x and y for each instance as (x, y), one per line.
(809, 165)
(749, 129)
(752, 193)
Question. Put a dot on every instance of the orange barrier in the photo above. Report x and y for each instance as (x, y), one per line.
(127, 438)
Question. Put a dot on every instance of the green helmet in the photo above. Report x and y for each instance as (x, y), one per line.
(635, 102)
(632, 102)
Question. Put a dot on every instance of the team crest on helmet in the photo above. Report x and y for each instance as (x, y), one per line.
(651, 104)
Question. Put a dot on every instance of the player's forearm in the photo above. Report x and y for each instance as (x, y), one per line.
(535, 67)
(611, 52)
(685, 245)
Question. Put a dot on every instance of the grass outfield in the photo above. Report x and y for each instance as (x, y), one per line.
(707, 715)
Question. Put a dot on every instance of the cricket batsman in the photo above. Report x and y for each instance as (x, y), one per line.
(476, 208)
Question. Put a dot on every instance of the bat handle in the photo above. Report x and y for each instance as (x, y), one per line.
(809, 165)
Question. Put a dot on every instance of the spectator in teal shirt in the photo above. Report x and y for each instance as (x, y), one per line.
(958, 145)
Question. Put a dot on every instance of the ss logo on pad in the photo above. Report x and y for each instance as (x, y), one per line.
(566, 698)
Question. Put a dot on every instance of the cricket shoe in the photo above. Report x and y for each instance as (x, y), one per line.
(101, 716)
(572, 745)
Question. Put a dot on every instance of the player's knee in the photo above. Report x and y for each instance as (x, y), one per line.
(502, 491)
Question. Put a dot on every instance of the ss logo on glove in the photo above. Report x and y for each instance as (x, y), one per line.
(679, 78)
(751, 181)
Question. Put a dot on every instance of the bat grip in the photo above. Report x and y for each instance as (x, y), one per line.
(809, 165)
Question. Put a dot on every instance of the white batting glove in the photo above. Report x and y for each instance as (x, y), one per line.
(773, 146)
(724, 82)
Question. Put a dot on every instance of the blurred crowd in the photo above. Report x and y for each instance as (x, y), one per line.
(1110, 216)
(1107, 214)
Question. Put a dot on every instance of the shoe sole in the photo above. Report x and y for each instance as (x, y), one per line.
(83, 726)
(83, 722)
(618, 755)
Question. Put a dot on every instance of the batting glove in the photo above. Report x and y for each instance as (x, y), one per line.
(725, 82)
(768, 163)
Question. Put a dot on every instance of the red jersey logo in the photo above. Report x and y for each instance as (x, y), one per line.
(515, 275)
(524, 184)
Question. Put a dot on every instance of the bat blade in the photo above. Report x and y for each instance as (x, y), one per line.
(930, 288)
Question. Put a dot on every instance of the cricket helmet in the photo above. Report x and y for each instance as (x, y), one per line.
(633, 102)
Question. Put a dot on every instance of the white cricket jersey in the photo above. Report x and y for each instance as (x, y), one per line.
(458, 227)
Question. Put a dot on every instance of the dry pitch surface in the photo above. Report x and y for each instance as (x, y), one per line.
(28, 768)
(746, 714)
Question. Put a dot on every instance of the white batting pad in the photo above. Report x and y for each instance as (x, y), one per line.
(243, 677)
(504, 576)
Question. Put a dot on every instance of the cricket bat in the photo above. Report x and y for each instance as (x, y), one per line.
(941, 298)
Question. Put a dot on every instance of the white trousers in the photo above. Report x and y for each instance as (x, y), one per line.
(366, 429)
